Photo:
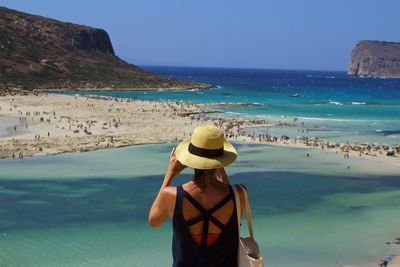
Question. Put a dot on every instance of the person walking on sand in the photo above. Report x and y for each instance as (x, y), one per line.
(203, 210)
(383, 263)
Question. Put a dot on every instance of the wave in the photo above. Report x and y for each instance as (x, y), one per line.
(331, 119)
(338, 103)
(238, 104)
(263, 116)
(192, 90)
(369, 121)
(215, 87)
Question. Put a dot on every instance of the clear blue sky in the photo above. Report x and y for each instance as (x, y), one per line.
(279, 34)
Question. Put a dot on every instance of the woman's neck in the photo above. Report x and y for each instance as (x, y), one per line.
(206, 181)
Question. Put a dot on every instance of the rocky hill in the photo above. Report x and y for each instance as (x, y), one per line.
(375, 59)
(42, 53)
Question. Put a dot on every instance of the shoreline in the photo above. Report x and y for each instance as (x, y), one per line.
(54, 123)
(196, 85)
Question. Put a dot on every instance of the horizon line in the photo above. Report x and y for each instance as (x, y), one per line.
(243, 68)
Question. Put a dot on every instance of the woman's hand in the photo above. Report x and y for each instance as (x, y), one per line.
(174, 167)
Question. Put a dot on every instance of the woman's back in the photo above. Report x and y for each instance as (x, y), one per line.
(208, 198)
(203, 211)
(205, 230)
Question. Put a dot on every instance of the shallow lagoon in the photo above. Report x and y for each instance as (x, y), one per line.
(90, 209)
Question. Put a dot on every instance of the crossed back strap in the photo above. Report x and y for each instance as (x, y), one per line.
(206, 215)
(247, 208)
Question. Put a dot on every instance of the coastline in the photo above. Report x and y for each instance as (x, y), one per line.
(55, 123)
(196, 85)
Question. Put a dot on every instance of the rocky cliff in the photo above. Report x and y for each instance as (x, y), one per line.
(41, 53)
(375, 59)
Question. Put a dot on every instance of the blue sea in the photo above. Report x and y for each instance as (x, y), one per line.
(332, 105)
(90, 209)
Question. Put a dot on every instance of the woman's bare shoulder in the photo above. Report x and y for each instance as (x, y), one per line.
(169, 192)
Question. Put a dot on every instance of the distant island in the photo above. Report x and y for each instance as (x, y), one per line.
(375, 59)
(45, 54)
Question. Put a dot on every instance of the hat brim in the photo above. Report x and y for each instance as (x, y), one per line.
(186, 158)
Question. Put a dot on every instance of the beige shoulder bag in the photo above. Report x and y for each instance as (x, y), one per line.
(248, 252)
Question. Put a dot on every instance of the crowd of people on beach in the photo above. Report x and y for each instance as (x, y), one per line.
(238, 129)
(233, 127)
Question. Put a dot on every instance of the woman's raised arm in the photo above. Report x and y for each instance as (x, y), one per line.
(165, 198)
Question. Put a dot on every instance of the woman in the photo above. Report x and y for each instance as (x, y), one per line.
(203, 211)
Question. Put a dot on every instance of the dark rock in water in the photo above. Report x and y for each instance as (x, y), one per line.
(46, 54)
(375, 59)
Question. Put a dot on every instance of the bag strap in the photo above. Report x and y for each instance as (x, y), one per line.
(247, 208)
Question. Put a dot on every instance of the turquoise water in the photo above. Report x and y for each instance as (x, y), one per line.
(331, 105)
(90, 209)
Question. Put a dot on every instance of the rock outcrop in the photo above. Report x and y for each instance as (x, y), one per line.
(375, 59)
(46, 54)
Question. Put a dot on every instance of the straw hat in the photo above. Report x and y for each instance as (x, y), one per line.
(206, 149)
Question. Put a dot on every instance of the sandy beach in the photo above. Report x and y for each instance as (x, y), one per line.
(52, 123)
(47, 124)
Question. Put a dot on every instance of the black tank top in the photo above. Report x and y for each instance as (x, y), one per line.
(186, 253)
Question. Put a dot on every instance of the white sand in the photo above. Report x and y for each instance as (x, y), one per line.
(51, 124)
